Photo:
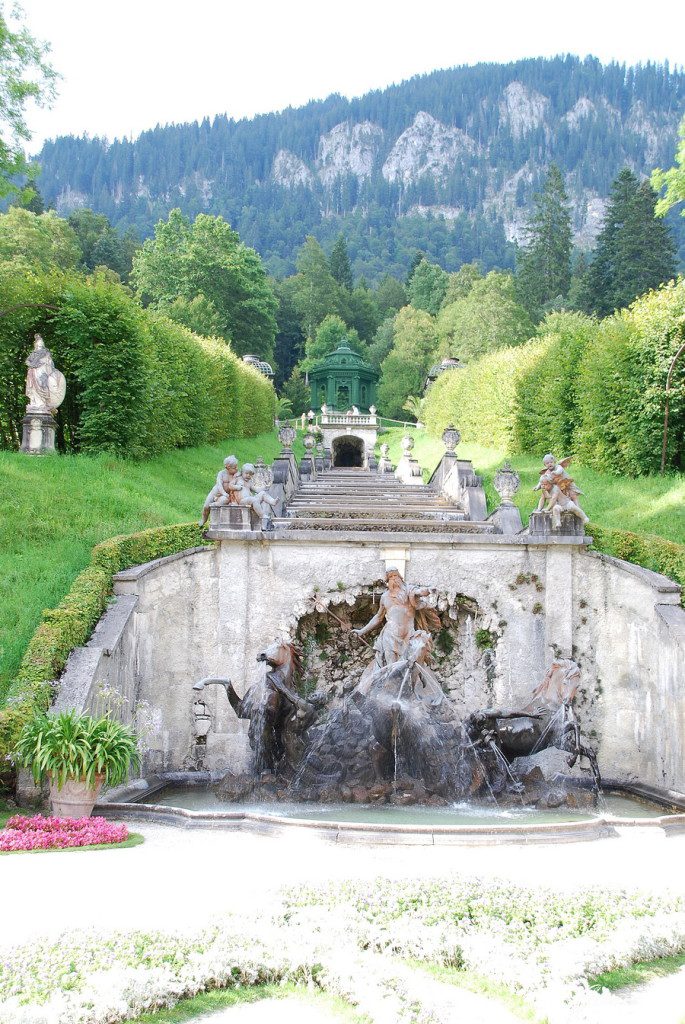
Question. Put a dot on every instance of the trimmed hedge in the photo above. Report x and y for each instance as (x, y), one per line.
(138, 383)
(621, 386)
(481, 399)
(645, 549)
(71, 623)
(591, 388)
(547, 394)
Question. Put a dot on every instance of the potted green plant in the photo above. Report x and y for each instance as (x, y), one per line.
(78, 754)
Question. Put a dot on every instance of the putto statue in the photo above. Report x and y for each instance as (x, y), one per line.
(221, 493)
(559, 492)
(260, 501)
(45, 385)
(234, 487)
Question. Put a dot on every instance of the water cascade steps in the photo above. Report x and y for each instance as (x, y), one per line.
(349, 499)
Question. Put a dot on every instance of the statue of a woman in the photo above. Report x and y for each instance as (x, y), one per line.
(45, 385)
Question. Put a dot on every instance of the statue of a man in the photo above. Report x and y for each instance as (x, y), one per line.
(45, 385)
(397, 612)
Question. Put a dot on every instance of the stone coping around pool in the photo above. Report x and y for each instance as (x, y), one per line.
(129, 802)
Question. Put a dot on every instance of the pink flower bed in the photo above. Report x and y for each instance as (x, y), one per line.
(39, 833)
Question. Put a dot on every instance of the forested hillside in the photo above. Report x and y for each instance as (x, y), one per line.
(446, 163)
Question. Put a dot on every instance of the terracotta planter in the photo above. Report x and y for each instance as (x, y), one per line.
(75, 799)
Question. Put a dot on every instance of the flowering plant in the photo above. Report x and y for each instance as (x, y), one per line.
(39, 833)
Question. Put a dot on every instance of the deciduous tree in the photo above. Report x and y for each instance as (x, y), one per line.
(25, 76)
(489, 317)
(404, 369)
(317, 293)
(207, 258)
(427, 287)
(672, 180)
(42, 241)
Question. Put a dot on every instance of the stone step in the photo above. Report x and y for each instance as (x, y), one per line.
(425, 525)
(361, 512)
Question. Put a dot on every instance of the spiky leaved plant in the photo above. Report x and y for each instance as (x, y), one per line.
(75, 746)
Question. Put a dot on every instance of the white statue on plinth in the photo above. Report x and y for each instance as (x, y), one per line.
(45, 385)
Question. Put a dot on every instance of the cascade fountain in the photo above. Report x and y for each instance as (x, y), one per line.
(394, 735)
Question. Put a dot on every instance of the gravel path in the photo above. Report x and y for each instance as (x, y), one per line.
(185, 877)
(286, 1011)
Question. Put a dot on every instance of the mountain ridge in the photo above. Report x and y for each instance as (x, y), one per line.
(446, 162)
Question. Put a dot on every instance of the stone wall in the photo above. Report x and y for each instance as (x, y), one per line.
(210, 611)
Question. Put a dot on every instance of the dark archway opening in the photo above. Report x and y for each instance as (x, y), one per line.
(348, 452)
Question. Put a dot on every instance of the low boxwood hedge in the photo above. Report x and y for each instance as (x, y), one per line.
(71, 623)
(645, 549)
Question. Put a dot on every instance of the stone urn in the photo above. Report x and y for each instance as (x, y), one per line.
(75, 799)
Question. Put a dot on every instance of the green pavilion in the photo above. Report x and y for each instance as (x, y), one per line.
(343, 380)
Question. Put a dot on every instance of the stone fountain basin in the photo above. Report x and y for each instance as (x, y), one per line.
(186, 800)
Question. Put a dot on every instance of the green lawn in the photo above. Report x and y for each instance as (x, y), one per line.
(638, 973)
(207, 1003)
(54, 510)
(654, 504)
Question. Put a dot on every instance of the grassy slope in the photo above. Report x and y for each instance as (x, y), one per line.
(644, 505)
(54, 510)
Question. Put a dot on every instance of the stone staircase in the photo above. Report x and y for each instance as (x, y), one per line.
(356, 499)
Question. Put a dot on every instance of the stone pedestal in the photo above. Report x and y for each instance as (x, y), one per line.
(233, 517)
(409, 471)
(541, 524)
(507, 519)
(38, 436)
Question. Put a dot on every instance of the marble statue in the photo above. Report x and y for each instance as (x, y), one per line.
(45, 390)
(260, 501)
(45, 385)
(558, 491)
(401, 608)
(222, 493)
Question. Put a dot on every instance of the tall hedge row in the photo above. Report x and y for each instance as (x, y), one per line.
(481, 399)
(547, 413)
(593, 388)
(137, 383)
(622, 378)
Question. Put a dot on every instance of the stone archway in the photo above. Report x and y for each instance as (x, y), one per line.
(348, 452)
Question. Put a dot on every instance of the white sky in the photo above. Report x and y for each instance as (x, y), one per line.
(130, 64)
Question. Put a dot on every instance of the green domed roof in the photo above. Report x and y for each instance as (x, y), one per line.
(343, 355)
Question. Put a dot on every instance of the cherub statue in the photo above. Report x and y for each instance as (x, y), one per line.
(260, 501)
(221, 493)
(559, 492)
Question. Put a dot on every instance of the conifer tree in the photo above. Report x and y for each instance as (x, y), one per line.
(339, 264)
(317, 293)
(635, 250)
(544, 270)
